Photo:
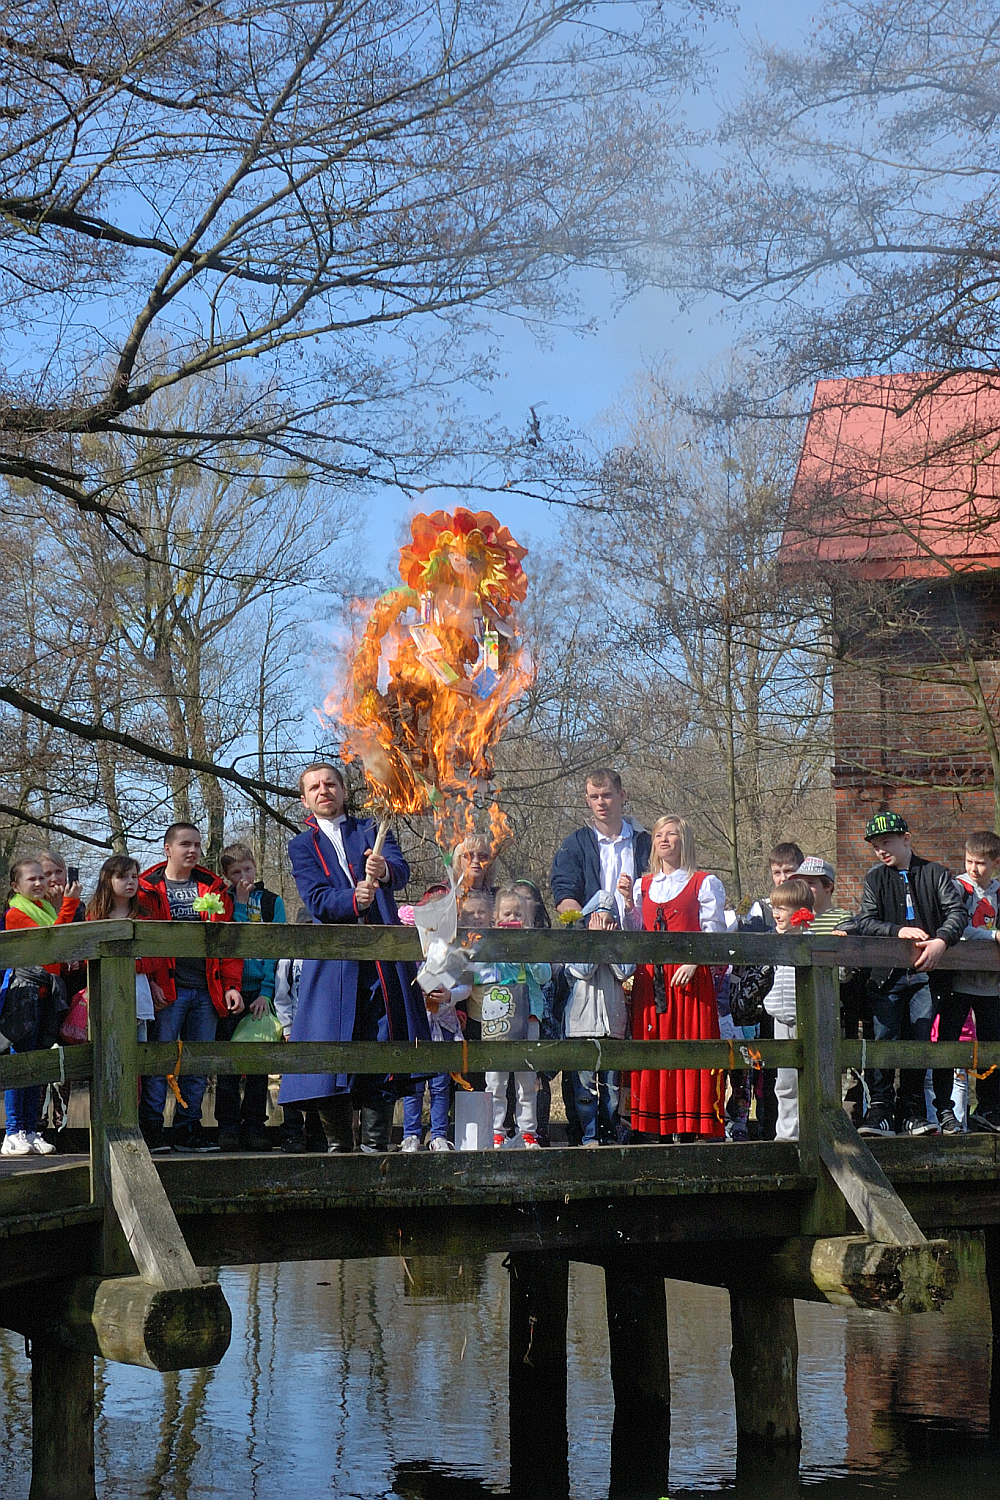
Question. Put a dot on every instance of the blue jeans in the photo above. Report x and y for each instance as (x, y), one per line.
(413, 1105)
(22, 1106)
(904, 1012)
(596, 1098)
(192, 1017)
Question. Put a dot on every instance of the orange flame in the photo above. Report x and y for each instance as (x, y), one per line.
(436, 672)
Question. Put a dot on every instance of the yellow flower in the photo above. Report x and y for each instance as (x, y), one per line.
(210, 903)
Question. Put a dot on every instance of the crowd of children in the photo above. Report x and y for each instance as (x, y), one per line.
(628, 878)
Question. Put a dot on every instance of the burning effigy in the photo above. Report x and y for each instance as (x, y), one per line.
(436, 671)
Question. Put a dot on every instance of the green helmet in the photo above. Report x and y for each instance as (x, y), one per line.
(886, 822)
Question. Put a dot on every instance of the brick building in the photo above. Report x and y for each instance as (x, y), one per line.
(895, 520)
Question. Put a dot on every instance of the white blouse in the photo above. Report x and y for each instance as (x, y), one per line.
(668, 884)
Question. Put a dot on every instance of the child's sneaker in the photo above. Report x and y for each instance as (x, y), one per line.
(16, 1144)
(920, 1125)
(949, 1123)
(984, 1121)
(411, 1143)
(530, 1141)
(876, 1122)
(499, 1140)
(440, 1143)
(39, 1145)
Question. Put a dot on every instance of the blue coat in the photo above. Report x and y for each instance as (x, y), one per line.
(328, 988)
(576, 869)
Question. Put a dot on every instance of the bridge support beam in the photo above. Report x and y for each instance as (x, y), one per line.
(539, 1440)
(992, 1245)
(764, 1363)
(62, 1424)
(640, 1375)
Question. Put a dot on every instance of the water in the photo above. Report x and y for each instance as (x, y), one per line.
(388, 1379)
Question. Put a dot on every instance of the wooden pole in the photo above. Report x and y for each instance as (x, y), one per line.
(764, 1363)
(992, 1248)
(380, 837)
(640, 1375)
(62, 1424)
(539, 1441)
(114, 1095)
(817, 1000)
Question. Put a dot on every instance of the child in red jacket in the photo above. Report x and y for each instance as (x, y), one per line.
(27, 907)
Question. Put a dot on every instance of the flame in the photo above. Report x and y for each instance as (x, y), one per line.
(436, 669)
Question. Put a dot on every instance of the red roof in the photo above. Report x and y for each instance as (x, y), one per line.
(899, 477)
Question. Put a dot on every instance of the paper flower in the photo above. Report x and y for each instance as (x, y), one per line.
(567, 918)
(801, 918)
(211, 903)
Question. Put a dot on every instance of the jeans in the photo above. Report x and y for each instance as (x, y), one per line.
(22, 1106)
(596, 1098)
(903, 1012)
(252, 1114)
(192, 1017)
(413, 1106)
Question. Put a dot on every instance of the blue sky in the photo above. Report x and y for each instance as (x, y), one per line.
(579, 377)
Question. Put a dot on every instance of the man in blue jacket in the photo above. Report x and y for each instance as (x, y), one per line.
(595, 859)
(340, 880)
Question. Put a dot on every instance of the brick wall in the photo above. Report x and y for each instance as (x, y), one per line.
(914, 747)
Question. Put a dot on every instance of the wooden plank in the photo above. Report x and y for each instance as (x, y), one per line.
(448, 1057)
(919, 1054)
(539, 1439)
(817, 997)
(142, 1206)
(63, 944)
(62, 1424)
(240, 940)
(874, 1202)
(637, 1334)
(20, 1070)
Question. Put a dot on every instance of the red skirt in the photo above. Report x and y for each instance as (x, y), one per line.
(688, 1102)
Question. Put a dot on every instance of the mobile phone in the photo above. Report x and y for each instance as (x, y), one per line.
(72, 874)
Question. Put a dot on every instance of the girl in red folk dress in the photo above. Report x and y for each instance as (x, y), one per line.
(672, 1002)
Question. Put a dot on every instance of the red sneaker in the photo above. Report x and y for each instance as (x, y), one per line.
(530, 1142)
(499, 1141)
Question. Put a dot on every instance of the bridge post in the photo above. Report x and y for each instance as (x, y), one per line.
(114, 1094)
(62, 1424)
(817, 1002)
(640, 1375)
(539, 1439)
(764, 1363)
(991, 1238)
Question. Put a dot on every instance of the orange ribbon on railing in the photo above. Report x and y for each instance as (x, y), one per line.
(172, 1077)
(975, 1061)
(463, 1083)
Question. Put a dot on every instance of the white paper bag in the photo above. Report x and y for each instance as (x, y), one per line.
(473, 1121)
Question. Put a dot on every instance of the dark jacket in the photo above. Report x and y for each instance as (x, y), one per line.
(576, 869)
(938, 904)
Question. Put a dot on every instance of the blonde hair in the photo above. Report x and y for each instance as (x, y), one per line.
(509, 894)
(689, 860)
(793, 894)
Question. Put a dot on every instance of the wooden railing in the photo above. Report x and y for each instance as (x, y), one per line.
(113, 1060)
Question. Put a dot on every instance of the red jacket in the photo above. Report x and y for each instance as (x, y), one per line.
(18, 919)
(222, 973)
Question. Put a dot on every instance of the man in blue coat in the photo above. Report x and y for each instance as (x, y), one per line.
(340, 880)
(596, 858)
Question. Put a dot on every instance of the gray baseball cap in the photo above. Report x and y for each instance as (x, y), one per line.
(813, 865)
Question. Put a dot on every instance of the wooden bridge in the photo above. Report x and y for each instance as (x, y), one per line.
(110, 1254)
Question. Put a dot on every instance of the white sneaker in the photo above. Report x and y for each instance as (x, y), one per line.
(411, 1143)
(39, 1145)
(16, 1144)
(440, 1143)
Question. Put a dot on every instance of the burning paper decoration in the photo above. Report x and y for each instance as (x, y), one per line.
(436, 671)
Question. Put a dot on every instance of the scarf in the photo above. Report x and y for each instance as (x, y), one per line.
(42, 913)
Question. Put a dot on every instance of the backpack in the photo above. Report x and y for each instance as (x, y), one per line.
(748, 988)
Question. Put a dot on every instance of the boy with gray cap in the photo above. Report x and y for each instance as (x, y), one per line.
(820, 876)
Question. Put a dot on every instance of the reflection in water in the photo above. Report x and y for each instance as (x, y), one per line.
(389, 1379)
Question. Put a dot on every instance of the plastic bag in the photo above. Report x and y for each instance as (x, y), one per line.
(264, 1028)
(73, 1030)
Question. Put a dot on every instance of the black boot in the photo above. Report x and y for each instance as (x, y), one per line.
(337, 1117)
(376, 1126)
